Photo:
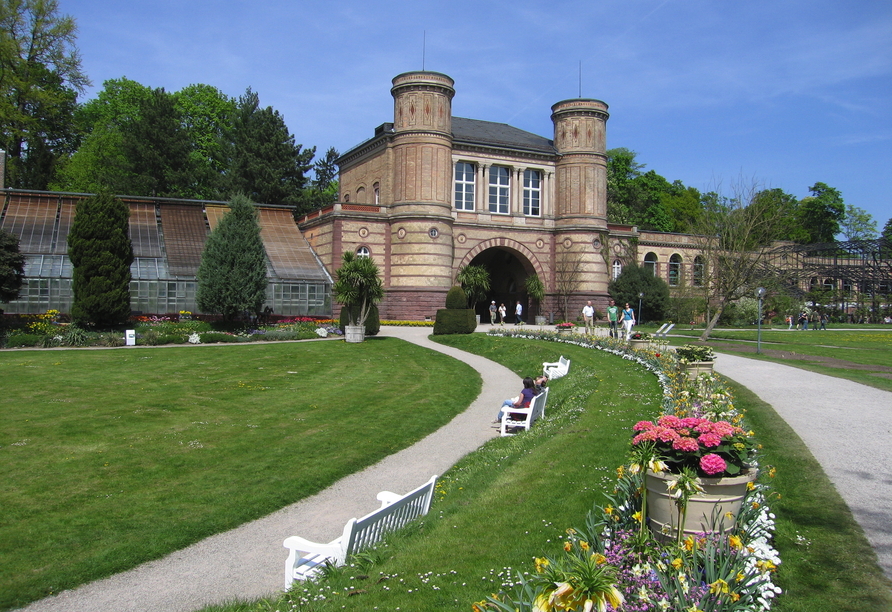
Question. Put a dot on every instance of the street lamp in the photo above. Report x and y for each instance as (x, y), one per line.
(760, 293)
(640, 297)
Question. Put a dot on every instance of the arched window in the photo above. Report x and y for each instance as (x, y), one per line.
(363, 252)
(650, 263)
(360, 195)
(617, 268)
(674, 270)
(698, 271)
(829, 285)
(377, 189)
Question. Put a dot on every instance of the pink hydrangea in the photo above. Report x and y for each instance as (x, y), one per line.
(722, 428)
(686, 444)
(709, 440)
(665, 434)
(712, 464)
(690, 422)
(669, 420)
(643, 426)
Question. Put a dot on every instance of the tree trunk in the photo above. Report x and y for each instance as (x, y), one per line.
(712, 323)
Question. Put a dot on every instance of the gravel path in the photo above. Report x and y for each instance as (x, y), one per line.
(848, 428)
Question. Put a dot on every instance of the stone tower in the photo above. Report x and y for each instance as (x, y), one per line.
(420, 216)
(580, 128)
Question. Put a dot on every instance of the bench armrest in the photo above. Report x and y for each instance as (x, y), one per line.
(550, 364)
(298, 544)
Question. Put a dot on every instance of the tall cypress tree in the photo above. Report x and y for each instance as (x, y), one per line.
(101, 253)
(12, 267)
(232, 273)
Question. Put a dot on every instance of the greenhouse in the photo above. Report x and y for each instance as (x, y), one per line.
(168, 239)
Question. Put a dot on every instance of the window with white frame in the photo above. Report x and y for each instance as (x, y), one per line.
(532, 193)
(674, 270)
(499, 180)
(617, 268)
(464, 186)
(363, 252)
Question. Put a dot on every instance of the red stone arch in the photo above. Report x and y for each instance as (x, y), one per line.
(505, 243)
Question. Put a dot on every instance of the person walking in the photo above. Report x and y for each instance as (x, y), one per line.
(613, 319)
(628, 320)
(588, 315)
(493, 312)
(503, 312)
(518, 313)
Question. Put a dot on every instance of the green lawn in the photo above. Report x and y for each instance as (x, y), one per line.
(110, 458)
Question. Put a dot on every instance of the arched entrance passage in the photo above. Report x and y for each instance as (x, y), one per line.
(509, 264)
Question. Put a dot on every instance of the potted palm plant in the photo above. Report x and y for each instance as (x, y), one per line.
(357, 288)
(536, 290)
(475, 281)
(695, 359)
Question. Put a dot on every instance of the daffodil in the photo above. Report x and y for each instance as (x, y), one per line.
(719, 587)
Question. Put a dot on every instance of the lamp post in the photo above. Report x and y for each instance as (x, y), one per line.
(760, 293)
(640, 297)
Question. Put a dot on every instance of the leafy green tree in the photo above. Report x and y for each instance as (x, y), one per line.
(101, 253)
(232, 273)
(101, 163)
(264, 161)
(634, 280)
(12, 267)
(858, 224)
(205, 113)
(622, 169)
(783, 207)
(683, 205)
(820, 214)
(40, 77)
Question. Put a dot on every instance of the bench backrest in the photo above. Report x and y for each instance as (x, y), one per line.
(538, 405)
(370, 529)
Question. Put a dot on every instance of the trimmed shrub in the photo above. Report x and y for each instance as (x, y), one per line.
(20, 340)
(211, 337)
(456, 299)
(455, 321)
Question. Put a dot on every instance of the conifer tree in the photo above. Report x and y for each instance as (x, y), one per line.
(101, 252)
(12, 267)
(232, 273)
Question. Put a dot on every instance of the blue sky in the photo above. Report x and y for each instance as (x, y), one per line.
(785, 93)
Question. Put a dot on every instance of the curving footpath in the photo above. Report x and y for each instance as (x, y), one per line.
(846, 426)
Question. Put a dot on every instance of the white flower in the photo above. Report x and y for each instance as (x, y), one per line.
(320, 331)
(194, 338)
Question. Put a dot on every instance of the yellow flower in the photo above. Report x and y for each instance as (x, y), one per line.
(735, 596)
(599, 559)
(755, 505)
(689, 543)
(608, 509)
(719, 587)
(583, 545)
(772, 472)
(567, 546)
(735, 542)
(740, 576)
(634, 468)
(541, 564)
(677, 563)
(637, 516)
(620, 471)
(750, 486)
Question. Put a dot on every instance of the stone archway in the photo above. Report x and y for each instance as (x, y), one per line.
(509, 263)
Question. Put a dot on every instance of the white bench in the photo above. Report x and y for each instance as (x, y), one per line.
(527, 416)
(664, 331)
(555, 369)
(395, 512)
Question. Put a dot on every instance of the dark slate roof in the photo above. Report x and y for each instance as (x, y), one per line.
(501, 135)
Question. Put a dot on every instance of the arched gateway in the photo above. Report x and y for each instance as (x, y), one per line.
(454, 191)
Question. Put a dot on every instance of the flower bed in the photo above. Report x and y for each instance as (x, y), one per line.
(615, 557)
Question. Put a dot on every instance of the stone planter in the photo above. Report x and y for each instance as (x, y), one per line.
(639, 344)
(564, 329)
(540, 320)
(696, 368)
(354, 333)
(706, 511)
